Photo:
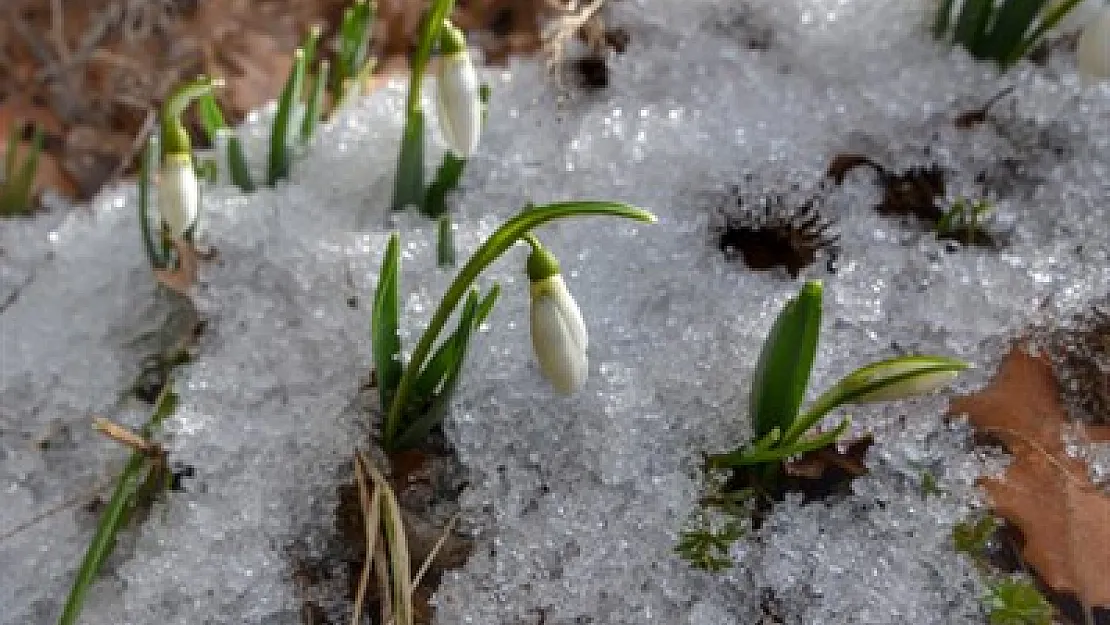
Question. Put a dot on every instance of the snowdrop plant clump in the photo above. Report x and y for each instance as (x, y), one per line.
(782, 428)
(414, 396)
(460, 105)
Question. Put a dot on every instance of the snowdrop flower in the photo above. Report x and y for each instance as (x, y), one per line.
(558, 332)
(178, 189)
(457, 101)
(178, 193)
(1093, 50)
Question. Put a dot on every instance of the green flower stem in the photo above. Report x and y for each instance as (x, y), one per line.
(490, 250)
(175, 139)
(429, 34)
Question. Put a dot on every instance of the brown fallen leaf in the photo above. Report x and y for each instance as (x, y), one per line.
(185, 275)
(1045, 493)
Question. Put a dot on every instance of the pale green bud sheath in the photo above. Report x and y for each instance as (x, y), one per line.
(559, 337)
(887, 380)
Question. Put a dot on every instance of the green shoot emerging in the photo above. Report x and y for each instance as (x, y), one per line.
(16, 186)
(783, 428)
(143, 476)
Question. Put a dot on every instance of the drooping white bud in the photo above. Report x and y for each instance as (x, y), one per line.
(458, 102)
(178, 194)
(1093, 50)
(558, 334)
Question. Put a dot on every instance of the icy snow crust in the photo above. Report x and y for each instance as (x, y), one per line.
(576, 503)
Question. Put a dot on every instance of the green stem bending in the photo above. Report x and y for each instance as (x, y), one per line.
(497, 244)
(429, 34)
(175, 138)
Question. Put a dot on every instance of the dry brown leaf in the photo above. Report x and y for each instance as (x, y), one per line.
(182, 278)
(1045, 493)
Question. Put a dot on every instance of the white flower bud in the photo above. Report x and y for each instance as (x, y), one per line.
(1093, 51)
(899, 378)
(558, 334)
(458, 103)
(178, 194)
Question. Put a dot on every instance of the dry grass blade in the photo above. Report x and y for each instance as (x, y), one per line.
(371, 514)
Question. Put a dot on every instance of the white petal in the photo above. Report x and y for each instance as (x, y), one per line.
(1093, 51)
(458, 105)
(558, 335)
(178, 194)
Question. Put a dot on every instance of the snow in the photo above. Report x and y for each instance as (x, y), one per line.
(576, 503)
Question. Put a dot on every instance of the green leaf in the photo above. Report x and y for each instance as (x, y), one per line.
(972, 24)
(972, 537)
(445, 245)
(1012, 21)
(501, 240)
(749, 457)
(447, 178)
(1017, 602)
(115, 514)
(448, 353)
(311, 39)
(10, 154)
(353, 39)
(408, 186)
(152, 241)
(417, 429)
(384, 322)
(21, 186)
(944, 16)
(1047, 22)
(315, 103)
(783, 370)
(280, 157)
(212, 119)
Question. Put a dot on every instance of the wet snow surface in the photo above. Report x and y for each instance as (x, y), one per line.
(576, 503)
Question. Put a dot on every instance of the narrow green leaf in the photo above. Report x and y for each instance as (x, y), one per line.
(384, 322)
(24, 181)
(408, 186)
(442, 361)
(112, 520)
(237, 165)
(972, 24)
(446, 179)
(315, 103)
(445, 245)
(742, 458)
(279, 164)
(1047, 22)
(782, 372)
(10, 154)
(943, 19)
(1013, 19)
(152, 240)
(311, 40)
(419, 428)
(211, 117)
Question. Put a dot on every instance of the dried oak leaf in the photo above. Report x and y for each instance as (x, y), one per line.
(1045, 493)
